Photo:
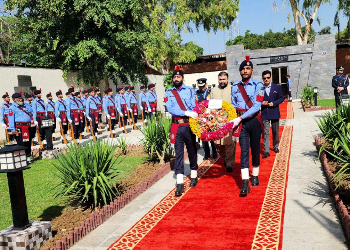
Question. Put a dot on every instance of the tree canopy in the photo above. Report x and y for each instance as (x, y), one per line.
(344, 7)
(269, 39)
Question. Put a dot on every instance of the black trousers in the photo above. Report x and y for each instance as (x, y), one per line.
(184, 136)
(125, 117)
(27, 144)
(337, 100)
(144, 109)
(64, 127)
(113, 121)
(41, 130)
(207, 149)
(76, 127)
(250, 133)
(94, 124)
(135, 115)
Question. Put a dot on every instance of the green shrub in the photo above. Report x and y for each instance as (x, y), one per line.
(307, 95)
(122, 143)
(156, 139)
(86, 173)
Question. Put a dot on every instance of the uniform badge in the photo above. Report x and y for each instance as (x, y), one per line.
(25, 134)
(248, 63)
(260, 96)
(172, 136)
(0, 106)
(10, 112)
(166, 99)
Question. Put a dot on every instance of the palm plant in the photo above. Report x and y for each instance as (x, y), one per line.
(86, 173)
(156, 139)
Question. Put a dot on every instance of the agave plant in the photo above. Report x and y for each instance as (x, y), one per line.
(86, 173)
(156, 139)
(122, 143)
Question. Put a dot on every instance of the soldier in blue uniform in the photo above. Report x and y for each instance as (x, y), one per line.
(81, 115)
(122, 106)
(4, 111)
(126, 91)
(180, 101)
(92, 111)
(50, 111)
(143, 102)
(29, 105)
(39, 112)
(202, 94)
(99, 103)
(74, 113)
(20, 122)
(61, 111)
(84, 97)
(151, 100)
(109, 108)
(132, 103)
(246, 97)
(340, 83)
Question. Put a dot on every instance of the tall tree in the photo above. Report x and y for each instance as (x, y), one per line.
(99, 39)
(307, 10)
(168, 19)
(344, 6)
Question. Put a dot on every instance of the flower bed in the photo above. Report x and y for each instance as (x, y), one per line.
(341, 207)
(315, 108)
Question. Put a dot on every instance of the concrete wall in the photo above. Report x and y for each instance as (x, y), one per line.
(311, 64)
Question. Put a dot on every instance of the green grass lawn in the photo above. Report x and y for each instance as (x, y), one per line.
(39, 181)
(326, 103)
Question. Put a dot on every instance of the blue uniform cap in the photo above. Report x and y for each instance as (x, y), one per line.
(201, 82)
(246, 62)
(71, 89)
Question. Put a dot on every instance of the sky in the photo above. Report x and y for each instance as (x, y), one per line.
(258, 17)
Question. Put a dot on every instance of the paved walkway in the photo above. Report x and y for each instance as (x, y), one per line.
(310, 220)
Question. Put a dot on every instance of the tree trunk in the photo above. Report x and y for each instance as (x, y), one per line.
(296, 16)
(338, 32)
(105, 84)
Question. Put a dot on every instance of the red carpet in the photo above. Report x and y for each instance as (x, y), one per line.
(213, 216)
(286, 110)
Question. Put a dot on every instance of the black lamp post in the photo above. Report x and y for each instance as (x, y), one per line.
(13, 161)
(315, 95)
(47, 123)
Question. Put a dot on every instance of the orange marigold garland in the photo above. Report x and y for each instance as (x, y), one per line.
(212, 124)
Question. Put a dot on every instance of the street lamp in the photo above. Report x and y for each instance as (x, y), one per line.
(47, 123)
(315, 95)
(13, 161)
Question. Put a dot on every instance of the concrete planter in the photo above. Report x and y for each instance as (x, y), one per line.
(341, 208)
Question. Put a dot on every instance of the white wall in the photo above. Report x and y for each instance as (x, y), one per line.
(51, 80)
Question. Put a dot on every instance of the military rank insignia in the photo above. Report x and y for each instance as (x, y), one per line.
(260, 96)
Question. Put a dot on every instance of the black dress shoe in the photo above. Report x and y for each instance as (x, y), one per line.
(229, 169)
(215, 156)
(193, 182)
(255, 181)
(265, 155)
(206, 157)
(245, 189)
(276, 150)
(179, 189)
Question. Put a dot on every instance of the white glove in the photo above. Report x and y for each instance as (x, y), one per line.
(191, 114)
(88, 117)
(36, 123)
(141, 108)
(149, 110)
(121, 114)
(3, 125)
(70, 121)
(58, 119)
(236, 121)
(130, 110)
(108, 116)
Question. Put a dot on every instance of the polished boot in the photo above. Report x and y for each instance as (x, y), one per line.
(180, 188)
(193, 182)
(255, 181)
(229, 169)
(245, 189)
(265, 155)
(276, 150)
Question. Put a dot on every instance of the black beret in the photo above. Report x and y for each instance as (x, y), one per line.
(96, 90)
(27, 95)
(84, 91)
(151, 85)
(119, 89)
(38, 91)
(71, 89)
(132, 87)
(246, 62)
(142, 87)
(5, 95)
(126, 87)
(90, 90)
(77, 93)
(178, 71)
(58, 93)
(108, 90)
(68, 93)
(16, 95)
(48, 95)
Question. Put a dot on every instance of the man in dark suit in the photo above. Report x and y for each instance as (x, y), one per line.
(340, 83)
(270, 112)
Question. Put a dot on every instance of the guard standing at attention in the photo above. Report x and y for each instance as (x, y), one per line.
(201, 95)
(4, 110)
(143, 102)
(92, 111)
(246, 97)
(99, 103)
(81, 115)
(180, 101)
(132, 101)
(151, 100)
(50, 109)
(39, 112)
(340, 83)
(109, 108)
(73, 113)
(61, 111)
(29, 108)
(122, 106)
(20, 122)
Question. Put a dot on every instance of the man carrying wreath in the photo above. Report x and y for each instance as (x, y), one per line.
(246, 98)
(180, 101)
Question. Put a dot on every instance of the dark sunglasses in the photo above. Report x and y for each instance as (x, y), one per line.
(264, 78)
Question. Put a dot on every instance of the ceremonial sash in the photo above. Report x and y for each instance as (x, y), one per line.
(42, 105)
(175, 126)
(63, 104)
(249, 103)
(7, 106)
(111, 112)
(51, 105)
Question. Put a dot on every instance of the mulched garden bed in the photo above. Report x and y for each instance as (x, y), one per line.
(314, 108)
(342, 193)
(72, 216)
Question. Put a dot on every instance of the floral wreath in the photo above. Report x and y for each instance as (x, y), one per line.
(212, 124)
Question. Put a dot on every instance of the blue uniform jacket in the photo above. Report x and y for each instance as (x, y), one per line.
(276, 97)
(91, 103)
(38, 106)
(4, 110)
(253, 89)
(72, 104)
(60, 105)
(151, 97)
(108, 101)
(50, 106)
(121, 100)
(340, 81)
(19, 115)
(143, 98)
(187, 96)
(132, 99)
